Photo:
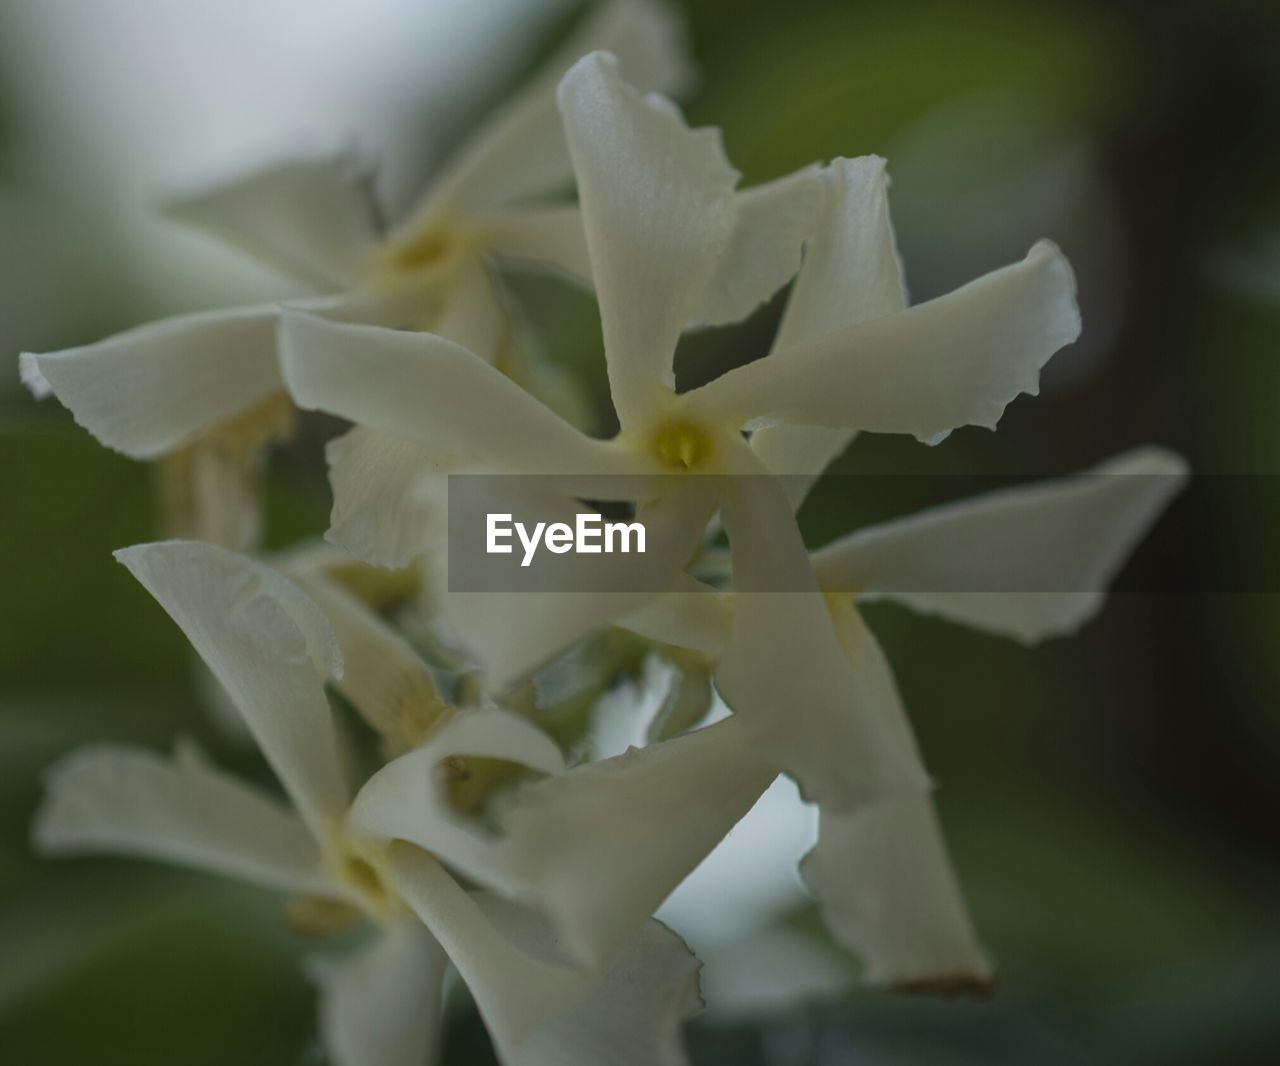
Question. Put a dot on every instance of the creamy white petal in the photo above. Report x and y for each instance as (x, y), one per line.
(382, 676)
(270, 648)
(657, 207)
(432, 391)
(597, 849)
(783, 671)
(1029, 562)
(882, 876)
(699, 620)
(851, 274)
(799, 454)
(539, 1011)
(382, 513)
(314, 218)
(516, 992)
(109, 799)
(771, 224)
(381, 1006)
(632, 1015)
(512, 633)
(541, 237)
(30, 376)
(886, 889)
(955, 361)
(145, 391)
(405, 800)
(520, 152)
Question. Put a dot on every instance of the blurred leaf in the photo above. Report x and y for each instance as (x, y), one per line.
(820, 80)
(150, 968)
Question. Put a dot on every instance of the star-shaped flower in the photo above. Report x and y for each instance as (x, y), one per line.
(664, 229)
(203, 391)
(343, 857)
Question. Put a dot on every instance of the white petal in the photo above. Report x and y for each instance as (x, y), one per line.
(512, 633)
(882, 876)
(539, 1011)
(30, 376)
(597, 849)
(884, 883)
(520, 152)
(784, 673)
(699, 620)
(429, 390)
(541, 237)
(851, 274)
(955, 361)
(150, 389)
(314, 218)
(1029, 563)
(118, 800)
(380, 515)
(517, 993)
(405, 799)
(631, 1017)
(657, 206)
(771, 224)
(799, 454)
(381, 1006)
(382, 676)
(270, 648)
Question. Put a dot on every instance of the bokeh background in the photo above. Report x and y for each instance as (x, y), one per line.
(1112, 801)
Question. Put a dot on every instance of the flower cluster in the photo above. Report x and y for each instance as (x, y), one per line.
(484, 836)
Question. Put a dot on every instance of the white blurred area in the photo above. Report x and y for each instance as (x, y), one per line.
(107, 102)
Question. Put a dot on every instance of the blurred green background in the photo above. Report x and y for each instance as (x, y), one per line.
(1111, 801)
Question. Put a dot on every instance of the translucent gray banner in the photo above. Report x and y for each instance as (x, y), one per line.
(910, 534)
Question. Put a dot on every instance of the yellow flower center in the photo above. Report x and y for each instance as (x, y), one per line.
(682, 445)
(360, 866)
(427, 249)
(365, 879)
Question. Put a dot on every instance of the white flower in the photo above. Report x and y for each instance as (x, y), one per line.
(662, 226)
(204, 390)
(273, 649)
(601, 846)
